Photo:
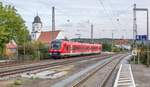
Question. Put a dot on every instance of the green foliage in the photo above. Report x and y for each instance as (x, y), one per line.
(34, 78)
(17, 82)
(107, 47)
(142, 53)
(116, 49)
(35, 50)
(12, 26)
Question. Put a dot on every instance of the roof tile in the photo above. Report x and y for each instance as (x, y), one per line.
(46, 37)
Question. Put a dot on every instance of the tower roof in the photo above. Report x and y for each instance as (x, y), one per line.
(37, 19)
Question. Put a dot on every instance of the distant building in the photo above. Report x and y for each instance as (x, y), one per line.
(11, 49)
(43, 36)
(36, 28)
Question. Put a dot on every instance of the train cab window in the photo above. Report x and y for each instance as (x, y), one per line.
(55, 45)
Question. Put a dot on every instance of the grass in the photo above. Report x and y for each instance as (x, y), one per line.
(18, 82)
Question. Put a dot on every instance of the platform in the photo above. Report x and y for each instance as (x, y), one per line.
(124, 77)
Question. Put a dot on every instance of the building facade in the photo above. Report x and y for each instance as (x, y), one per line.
(36, 28)
(45, 37)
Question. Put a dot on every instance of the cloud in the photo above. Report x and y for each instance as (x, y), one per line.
(81, 11)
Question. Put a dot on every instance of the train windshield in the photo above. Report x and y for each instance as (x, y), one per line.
(56, 45)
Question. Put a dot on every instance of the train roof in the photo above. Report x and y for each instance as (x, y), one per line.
(67, 41)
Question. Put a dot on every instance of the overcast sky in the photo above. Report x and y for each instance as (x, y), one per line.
(75, 16)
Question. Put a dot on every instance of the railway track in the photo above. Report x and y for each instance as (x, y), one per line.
(21, 64)
(99, 69)
(9, 73)
(17, 63)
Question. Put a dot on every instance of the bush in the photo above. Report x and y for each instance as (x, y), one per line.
(18, 82)
(44, 53)
(116, 49)
(34, 50)
(106, 47)
(143, 53)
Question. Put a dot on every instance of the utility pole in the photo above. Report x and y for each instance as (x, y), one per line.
(148, 60)
(91, 33)
(112, 43)
(53, 22)
(134, 23)
(78, 34)
(24, 47)
(134, 30)
(146, 10)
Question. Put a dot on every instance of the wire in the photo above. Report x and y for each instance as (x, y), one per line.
(107, 12)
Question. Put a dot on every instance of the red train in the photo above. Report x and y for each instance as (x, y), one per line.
(61, 48)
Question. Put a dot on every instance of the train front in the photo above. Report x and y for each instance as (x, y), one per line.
(55, 49)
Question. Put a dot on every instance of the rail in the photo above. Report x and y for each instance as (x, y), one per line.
(9, 73)
(98, 69)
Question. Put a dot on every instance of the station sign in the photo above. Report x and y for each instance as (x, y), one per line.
(141, 37)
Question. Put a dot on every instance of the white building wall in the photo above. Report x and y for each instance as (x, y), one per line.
(36, 31)
(60, 36)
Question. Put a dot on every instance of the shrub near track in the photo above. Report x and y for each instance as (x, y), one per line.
(33, 51)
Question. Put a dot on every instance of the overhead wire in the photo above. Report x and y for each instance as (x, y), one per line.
(111, 15)
(107, 13)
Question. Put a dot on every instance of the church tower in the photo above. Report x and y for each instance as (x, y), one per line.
(36, 28)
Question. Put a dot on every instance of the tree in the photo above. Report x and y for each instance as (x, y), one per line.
(12, 26)
(107, 46)
(35, 50)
